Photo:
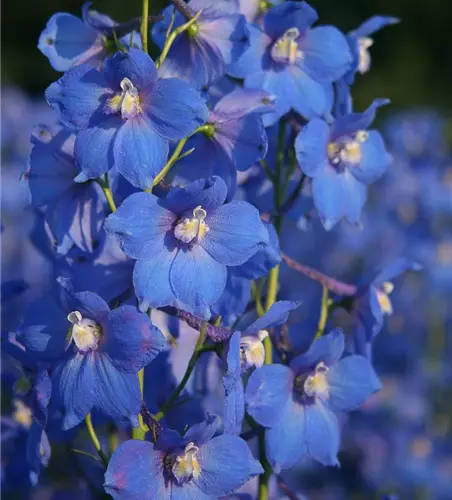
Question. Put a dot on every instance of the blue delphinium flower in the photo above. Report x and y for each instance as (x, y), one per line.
(202, 53)
(342, 159)
(197, 466)
(294, 62)
(372, 303)
(69, 41)
(94, 353)
(246, 351)
(235, 138)
(74, 212)
(185, 242)
(297, 403)
(125, 116)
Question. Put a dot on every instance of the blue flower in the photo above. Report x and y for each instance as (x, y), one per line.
(246, 351)
(125, 116)
(372, 303)
(94, 353)
(185, 242)
(297, 403)
(197, 466)
(342, 159)
(235, 138)
(202, 53)
(68, 41)
(293, 62)
(74, 212)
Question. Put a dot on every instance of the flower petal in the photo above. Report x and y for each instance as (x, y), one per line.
(196, 278)
(135, 65)
(375, 159)
(234, 394)
(268, 390)
(140, 225)
(135, 472)
(275, 316)
(322, 434)
(236, 233)
(311, 146)
(139, 152)
(251, 61)
(175, 109)
(132, 341)
(374, 24)
(351, 381)
(284, 16)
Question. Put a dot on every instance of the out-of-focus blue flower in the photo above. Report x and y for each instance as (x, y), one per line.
(297, 403)
(185, 242)
(293, 62)
(373, 303)
(93, 363)
(202, 53)
(246, 351)
(68, 41)
(235, 139)
(197, 466)
(342, 159)
(74, 212)
(125, 116)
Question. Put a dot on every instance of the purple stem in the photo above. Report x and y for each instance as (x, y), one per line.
(184, 9)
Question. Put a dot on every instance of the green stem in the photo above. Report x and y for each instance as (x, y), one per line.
(199, 349)
(95, 439)
(103, 183)
(140, 431)
(264, 478)
(323, 313)
(145, 25)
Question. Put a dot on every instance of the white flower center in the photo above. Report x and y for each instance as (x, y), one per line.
(252, 352)
(190, 228)
(347, 152)
(85, 332)
(22, 414)
(285, 49)
(383, 297)
(317, 384)
(364, 55)
(127, 102)
(186, 466)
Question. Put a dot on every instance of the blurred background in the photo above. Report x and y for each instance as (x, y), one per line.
(402, 440)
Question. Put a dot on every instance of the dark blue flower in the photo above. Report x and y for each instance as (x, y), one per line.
(246, 351)
(297, 403)
(342, 159)
(197, 466)
(74, 212)
(185, 242)
(125, 116)
(68, 41)
(235, 139)
(94, 354)
(293, 62)
(202, 53)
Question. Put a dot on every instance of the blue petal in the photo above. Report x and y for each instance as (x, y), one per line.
(78, 95)
(236, 233)
(275, 316)
(94, 148)
(326, 54)
(129, 353)
(196, 278)
(288, 15)
(96, 19)
(373, 24)
(354, 194)
(74, 388)
(234, 299)
(39, 397)
(374, 159)
(268, 390)
(396, 268)
(151, 279)
(241, 102)
(202, 432)
(285, 442)
(234, 396)
(64, 39)
(135, 65)
(88, 303)
(311, 146)
(38, 450)
(117, 394)
(140, 237)
(210, 193)
(135, 470)
(226, 464)
(328, 349)
(351, 381)
(348, 124)
(322, 434)
(175, 109)
(139, 152)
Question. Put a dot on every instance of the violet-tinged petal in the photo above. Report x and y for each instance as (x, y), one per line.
(311, 146)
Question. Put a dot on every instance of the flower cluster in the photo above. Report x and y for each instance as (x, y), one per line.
(165, 192)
